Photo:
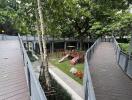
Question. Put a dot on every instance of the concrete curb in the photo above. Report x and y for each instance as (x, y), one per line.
(74, 95)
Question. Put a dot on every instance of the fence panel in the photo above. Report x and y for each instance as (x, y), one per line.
(129, 68)
(122, 60)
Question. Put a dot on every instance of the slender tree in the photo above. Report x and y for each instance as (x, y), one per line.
(45, 70)
(39, 41)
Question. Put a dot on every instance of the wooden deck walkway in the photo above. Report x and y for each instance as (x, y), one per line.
(109, 81)
(13, 85)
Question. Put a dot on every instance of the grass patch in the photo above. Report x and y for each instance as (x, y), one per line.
(124, 47)
(65, 67)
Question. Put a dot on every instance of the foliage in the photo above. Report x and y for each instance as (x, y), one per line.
(18, 14)
(123, 24)
(124, 47)
(77, 18)
(84, 18)
(124, 40)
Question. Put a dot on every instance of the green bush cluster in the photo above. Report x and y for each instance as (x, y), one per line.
(124, 40)
(31, 57)
(124, 47)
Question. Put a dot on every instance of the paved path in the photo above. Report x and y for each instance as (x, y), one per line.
(109, 81)
(13, 85)
(74, 88)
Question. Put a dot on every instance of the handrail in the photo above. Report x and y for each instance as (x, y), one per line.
(35, 89)
(35, 38)
(124, 60)
(116, 43)
(2, 37)
(88, 86)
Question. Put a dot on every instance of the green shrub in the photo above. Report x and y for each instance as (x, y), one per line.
(124, 47)
(124, 40)
(31, 57)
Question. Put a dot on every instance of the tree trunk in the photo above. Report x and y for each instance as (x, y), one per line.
(40, 47)
(41, 53)
(40, 43)
(81, 44)
(45, 57)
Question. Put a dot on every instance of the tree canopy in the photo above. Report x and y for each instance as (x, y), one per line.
(77, 18)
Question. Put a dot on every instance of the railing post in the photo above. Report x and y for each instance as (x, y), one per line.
(23, 57)
(65, 45)
(126, 63)
(86, 90)
(119, 57)
(34, 38)
(2, 36)
(29, 79)
(52, 46)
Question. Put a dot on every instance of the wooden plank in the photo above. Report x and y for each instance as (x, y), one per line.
(109, 81)
(13, 85)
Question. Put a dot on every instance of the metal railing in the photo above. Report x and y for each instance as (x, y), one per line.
(2, 37)
(35, 38)
(35, 89)
(123, 59)
(88, 86)
(7, 37)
